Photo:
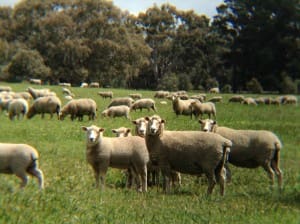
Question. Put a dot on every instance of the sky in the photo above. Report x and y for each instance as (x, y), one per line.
(207, 7)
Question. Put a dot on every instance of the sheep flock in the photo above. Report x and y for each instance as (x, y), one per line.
(211, 150)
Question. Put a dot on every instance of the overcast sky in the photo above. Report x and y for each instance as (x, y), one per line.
(207, 7)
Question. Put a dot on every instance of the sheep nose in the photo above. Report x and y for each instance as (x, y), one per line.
(92, 139)
(205, 130)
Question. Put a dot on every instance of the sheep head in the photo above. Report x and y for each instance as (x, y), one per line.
(155, 125)
(208, 125)
(93, 134)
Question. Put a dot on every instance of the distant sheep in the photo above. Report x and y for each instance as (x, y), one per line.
(236, 99)
(146, 103)
(84, 85)
(105, 95)
(5, 89)
(135, 96)
(182, 107)
(215, 99)
(17, 108)
(199, 108)
(20, 159)
(249, 101)
(35, 81)
(250, 148)
(122, 132)
(36, 93)
(25, 95)
(289, 99)
(190, 152)
(117, 111)
(94, 85)
(43, 105)
(214, 90)
(128, 153)
(77, 108)
(161, 94)
(65, 84)
(128, 101)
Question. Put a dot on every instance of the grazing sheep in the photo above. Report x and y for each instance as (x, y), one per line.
(25, 95)
(35, 81)
(200, 97)
(68, 97)
(105, 95)
(46, 104)
(5, 89)
(117, 111)
(122, 132)
(17, 107)
(67, 92)
(127, 101)
(215, 99)
(289, 99)
(249, 101)
(236, 99)
(214, 90)
(78, 108)
(4, 103)
(146, 103)
(199, 108)
(20, 159)
(260, 100)
(36, 93)
(182, 107)
(135, 96)
(128, 153)
(84, 85)
(65, 84)
(251, 148)
(94, 85)
(161, 94)
(190, 152)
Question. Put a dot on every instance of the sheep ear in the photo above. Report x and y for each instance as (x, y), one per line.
(128, 130)
(163, 121)
(84, 128)
(101, 130)
(147, 118)
(214, 122)
(134, 122)
(113, 130)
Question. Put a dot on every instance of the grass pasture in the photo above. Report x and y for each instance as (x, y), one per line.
(70, 196)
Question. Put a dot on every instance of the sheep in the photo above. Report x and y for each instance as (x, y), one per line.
(84, 85)
(5, 89)
(122, 132)
(236, 99)
(182, 107)
(144, 103)
(46, 104)
(153, 169)
(20, 159)
(214, 90)
(251, 148)
(67, 92)
(190, 152)
(79, 108)
(117, 111)
(161, 94)
(289, 99)
(249, 101)
(135, 95)
(25, 95)
(17, 107)
(122, 153)
(259, 100)
(4, 103)
(200, 97)
(215, 99)
(121, 101)
(94, 85)
(36, 93)
(199, 108)
(35, 81)
(105, 95)
(65, 84)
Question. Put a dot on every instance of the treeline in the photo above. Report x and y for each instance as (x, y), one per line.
(249, 45)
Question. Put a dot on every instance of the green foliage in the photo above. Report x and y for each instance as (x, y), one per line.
(253, 86)
(226, 89)
(288, 85)
(169, 82)
(70, 196)
(26, 64)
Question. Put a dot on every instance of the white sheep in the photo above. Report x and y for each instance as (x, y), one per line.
(128, 101)
(146, 103)
(289, 99)
(190, 152)
(249, 101)
(122, 132)
(108, 94)
(122, 153)
(135, 95)
(36, 93)
(199, 108)
(214, 90)
(182, 107)
(117, 111)
(251, 148)
(17, 107)
(94, 85)
(215, 99)
(77, 108)
(35, 81)
(161, 94)
(45, 105)
(236, 99)
(5, 89)
(20, 159)
(84, 85)
(25, 95)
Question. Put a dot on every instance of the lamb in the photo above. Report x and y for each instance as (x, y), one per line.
(122, 153)
(17, 107)
(236, 99)
(117, 111)
(46, 104)
(199, 108)
(182, 107)
(146, 103)
(122, 132)
(190, 152)
(121, 101)
(105, 95)
(20, 159)
(251, 148)
(78, 108)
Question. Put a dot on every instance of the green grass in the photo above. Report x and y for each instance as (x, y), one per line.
(70, 195)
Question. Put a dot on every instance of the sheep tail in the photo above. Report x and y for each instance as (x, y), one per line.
(33, 164)
(222, 163)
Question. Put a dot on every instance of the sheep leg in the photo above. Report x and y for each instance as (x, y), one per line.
(211, 182)
(143, 174)
(222, 180)
(22, 175)
(267, 167)
(39, 175)
(278, 172)
(166, 180)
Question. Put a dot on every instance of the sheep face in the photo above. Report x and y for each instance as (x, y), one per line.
(122, 132)
(207, 125)
(141, 126)
(93, 134)
(155, 125)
